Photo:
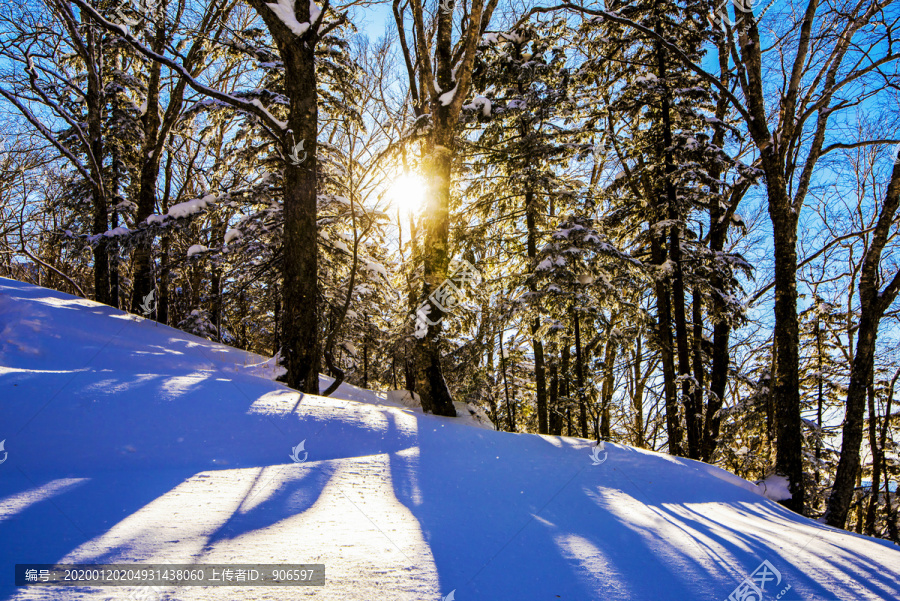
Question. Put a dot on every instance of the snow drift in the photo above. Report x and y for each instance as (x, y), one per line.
(128, 441)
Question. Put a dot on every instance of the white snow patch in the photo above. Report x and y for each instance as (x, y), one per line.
(285, 11)
(189, 207)
(376, 267)
(232, 234)
(196, 249)
(447, 97)
(480, 103)
(776, 488)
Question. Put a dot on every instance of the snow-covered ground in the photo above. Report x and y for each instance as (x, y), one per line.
(129, 441)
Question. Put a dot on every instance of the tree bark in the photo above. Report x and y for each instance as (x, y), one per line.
(146, 200)
(95, 103)
(451, 74)
(509, 413)
(554, 423)
(677, 281)
(719, 219)
(540, 379)
(872, 305)
(430, 383)
(579, 373)
(606, 393)
(300, 350)
(876, 464)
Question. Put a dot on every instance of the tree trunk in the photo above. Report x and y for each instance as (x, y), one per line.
(871, 307)
(606, 393)
(876, 464)
(674, 248)
(890, 518)
(146, 200)
(564, 388)
(718, 232)
(789, 446)
(540, 379)
(637, 399)
(509, 413)
(95, 102)
(820, 398)
(430, 383)
(452, 75)
(554, 424)
(860, 377)
(300, 331)
(579, 372)
(664, 341)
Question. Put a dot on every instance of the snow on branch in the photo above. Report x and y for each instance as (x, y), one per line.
(269, 122)
(678, 52)
(48, 135)
(286, 13)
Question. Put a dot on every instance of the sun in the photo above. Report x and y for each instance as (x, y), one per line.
(407, 193)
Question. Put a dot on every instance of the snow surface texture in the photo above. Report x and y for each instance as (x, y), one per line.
(129, 441)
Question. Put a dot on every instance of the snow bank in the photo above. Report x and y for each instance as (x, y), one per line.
(129, 441)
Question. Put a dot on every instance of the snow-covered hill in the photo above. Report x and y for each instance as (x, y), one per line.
(128, 441)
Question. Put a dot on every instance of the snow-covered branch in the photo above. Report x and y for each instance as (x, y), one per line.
(268, 121)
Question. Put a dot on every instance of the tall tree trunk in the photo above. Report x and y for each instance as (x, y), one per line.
(509, 412)
(579, 373)
(820, 398)
(451, 76)
(872, 306)
(146, 200)
(664, 341)
(540, 379)
(113, 249)
(889, 515)
(300, 327)
(96, 101)
(786, 390)
(430, 383)
(300, 350)
(890, 518)
(637, 399)
(674, 248)
(876, 463)
(564, 387)
(606, 392)
(554, 422)
(719, 218)
(699, 369)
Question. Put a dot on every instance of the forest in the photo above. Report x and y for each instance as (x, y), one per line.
(666, 224)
